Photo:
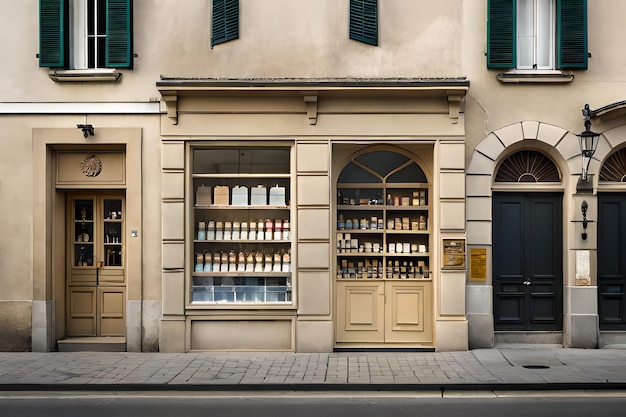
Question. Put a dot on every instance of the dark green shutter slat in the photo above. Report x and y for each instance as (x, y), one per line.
(572, 34)
(501, 27)
(53, 33)
(119, 40)
(364, 21)
(224, 21)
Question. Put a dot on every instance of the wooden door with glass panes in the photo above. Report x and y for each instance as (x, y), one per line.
(383, 273)
(96, 279)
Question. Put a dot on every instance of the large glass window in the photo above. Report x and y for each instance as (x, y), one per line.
(242, 225)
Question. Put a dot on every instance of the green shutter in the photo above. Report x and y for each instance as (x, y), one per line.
(571, 23)
(53, 33)
(501, 18)
(224, 21)
(364, 21)
(119, 40)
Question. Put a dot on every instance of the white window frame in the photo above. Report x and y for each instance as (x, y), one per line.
(536, 38)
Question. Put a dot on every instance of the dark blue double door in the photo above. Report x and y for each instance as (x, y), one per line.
(527, 261)
(612, 261)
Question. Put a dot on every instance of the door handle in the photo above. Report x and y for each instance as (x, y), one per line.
(99, 265)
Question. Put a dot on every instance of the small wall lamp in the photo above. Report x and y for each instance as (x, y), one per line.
(583, 208)
(88, 130)
(588, 142)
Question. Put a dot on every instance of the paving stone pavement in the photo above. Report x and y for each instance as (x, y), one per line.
(475, 369)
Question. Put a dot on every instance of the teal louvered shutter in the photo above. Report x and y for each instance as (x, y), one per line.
(501, 19)
(364, 21)
(53, 33)
(119, 39)
(572, 34)
(224, 21)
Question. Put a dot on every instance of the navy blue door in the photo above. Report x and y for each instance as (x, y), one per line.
(612, 261)
(527, 261)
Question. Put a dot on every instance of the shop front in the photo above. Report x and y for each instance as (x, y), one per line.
(313, 216)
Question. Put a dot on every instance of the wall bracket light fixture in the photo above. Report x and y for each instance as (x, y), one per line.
(588, 141)
(583, 208)
(88, 130)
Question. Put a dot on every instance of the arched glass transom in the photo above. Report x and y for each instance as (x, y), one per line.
(614, 168)
(382, 167)
(528, 166)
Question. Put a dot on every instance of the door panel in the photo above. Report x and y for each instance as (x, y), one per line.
(111, 276)
(361, 316)
(527, 261)
(83, 276)
(511, 307)
(612, 261)
(508, 261)
(112, 302)
(82, 311)
(408, 312)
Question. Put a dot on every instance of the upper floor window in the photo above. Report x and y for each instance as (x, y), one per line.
(537, 34)
(364, 21)
(224, 21)
(85, 34)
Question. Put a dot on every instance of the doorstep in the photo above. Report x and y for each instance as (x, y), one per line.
(92, 344)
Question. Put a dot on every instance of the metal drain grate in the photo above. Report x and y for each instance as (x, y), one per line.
(536, 366)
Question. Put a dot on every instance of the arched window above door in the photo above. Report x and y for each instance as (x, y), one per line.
(382, 166)
(528, 166)
(614, 168)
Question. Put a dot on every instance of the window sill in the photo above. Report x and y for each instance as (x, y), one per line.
(535, 77)
(88, 75)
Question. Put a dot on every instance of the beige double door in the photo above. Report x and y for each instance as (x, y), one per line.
(391, 311)
(96, 279)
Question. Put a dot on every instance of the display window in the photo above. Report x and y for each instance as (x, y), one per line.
(241, 229)
(383, 219)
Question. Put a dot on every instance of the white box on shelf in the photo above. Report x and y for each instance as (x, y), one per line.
(240, 195)
(258, 196)
(277, 196)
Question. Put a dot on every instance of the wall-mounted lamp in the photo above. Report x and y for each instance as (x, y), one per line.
(583, 208)
(88, 130)
(588, 142)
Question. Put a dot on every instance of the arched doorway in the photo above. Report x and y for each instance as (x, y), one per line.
(527, 247)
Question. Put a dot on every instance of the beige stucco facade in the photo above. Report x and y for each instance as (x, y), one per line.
(543, 115)
(293, 80)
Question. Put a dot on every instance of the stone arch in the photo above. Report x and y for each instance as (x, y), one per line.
(558, 143)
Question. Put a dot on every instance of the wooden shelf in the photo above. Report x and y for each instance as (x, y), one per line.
(242, 207)
(243, 274)
(241, 241)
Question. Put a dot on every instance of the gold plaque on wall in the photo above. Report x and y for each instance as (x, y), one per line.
(478, 264)
(453, 254)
